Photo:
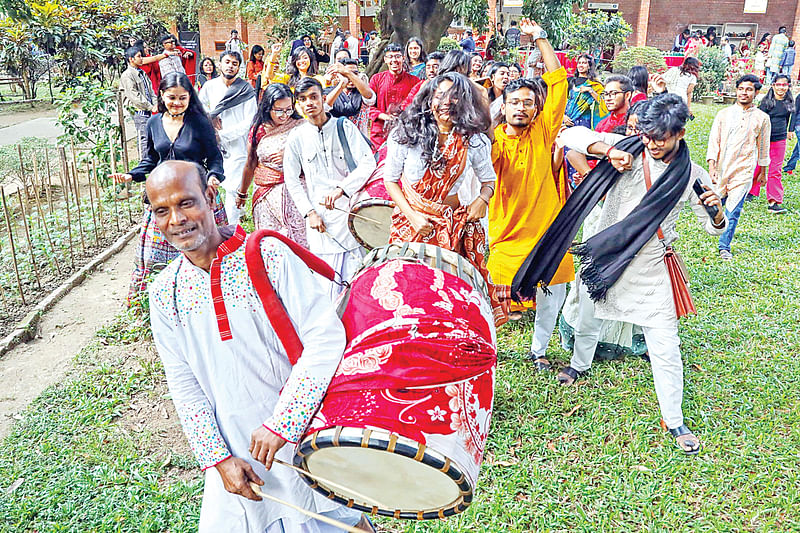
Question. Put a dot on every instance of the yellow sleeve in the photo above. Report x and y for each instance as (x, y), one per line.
(555, 103)
(280, 77)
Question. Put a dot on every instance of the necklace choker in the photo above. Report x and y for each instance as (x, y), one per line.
(176, 115)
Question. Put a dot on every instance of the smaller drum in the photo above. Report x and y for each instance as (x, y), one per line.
(370, 216)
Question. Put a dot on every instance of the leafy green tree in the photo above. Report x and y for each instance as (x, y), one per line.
(646, 56)
(291, 18)
(552, 15)
(592, 31)
(713, 68)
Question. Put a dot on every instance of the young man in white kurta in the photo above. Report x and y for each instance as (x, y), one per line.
(643, 293)
(227, 371)
(232, 128)
(313, 148)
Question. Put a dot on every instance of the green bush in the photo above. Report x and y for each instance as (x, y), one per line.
(447, 44)
(646, 56)
(712, 72)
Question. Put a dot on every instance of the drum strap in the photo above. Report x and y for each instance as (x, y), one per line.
(276, 312)
(348, 155)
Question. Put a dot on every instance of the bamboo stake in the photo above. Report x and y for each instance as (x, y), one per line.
(47, 233)
(65, 185)
(312, 514)
(49, 181)
(91, 205)
(13, 248)
(122, 134)
(22, 172)
(30, 241)
(99, 198)
(114, 189)
(77, 195)
(2, 288)
(36, 187)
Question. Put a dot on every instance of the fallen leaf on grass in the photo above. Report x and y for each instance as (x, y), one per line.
(698, 367)
(522, 497)
(640, 468)
(506, 463)
(551, 446)
(14, 486)
(572, 411)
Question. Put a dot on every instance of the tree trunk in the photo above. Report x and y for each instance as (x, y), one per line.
(401, 19)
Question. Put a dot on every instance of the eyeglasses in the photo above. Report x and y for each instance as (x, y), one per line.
(527, 103)
(646, 139)
(782, 85)
(390, 57)
(282, 112)
(611, 94)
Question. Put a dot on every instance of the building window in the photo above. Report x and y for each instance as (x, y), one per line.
(219, 46)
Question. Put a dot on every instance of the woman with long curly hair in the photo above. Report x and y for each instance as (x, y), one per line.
(273, 208)
(437, 142)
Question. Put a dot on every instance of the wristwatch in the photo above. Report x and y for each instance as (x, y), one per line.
(540, 33)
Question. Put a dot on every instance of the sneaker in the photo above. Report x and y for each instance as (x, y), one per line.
(750, 197)
(725, 255)
(776, 209)
(787, 171)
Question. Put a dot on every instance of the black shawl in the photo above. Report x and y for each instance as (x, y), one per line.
(604, 256)
(238, 92)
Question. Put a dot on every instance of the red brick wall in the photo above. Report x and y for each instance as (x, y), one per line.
(216, 24)
(668, 17)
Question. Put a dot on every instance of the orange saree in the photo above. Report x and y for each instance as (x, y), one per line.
(451, 230)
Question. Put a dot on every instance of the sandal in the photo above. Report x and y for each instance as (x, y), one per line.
(540, 362)
(568, 375)
(691, 444)
(515, 315)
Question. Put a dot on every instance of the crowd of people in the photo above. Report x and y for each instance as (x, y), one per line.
(476, 155)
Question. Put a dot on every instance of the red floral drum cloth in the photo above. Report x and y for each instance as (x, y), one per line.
(419, 364)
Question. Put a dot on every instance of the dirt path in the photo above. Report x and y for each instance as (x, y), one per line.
(28, 369)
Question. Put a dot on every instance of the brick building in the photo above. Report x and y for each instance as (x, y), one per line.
(657, 22)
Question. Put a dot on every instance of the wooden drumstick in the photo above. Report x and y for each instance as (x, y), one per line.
(312, 514)
(331, 484)
(362, 217)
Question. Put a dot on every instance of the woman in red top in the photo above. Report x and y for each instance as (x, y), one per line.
(256, 64)
(640, 78)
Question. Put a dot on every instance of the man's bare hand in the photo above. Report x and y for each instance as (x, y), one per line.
(710, 198)
(237, 474)
(762, 176)
(331, 197)
(659, 83)
(316, 222)
(620, 160)
(264, 444)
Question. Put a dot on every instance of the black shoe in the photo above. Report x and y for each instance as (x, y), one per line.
(540, 362)
(750, 197)
(776, 209)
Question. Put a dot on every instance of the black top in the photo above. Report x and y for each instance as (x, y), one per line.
(196, 141)
(779, 121)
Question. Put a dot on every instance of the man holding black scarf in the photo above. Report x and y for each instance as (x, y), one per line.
(623, 270)
(231, 104)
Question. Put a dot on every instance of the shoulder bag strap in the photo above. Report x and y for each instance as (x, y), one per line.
(276, 312)
(648, 184)
(348, 156)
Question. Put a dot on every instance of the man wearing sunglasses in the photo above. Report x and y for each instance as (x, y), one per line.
(624, 273)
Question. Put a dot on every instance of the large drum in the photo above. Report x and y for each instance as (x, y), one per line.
(406, 417)
(370, 214)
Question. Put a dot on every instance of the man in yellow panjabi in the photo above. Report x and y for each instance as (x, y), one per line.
(528, 196)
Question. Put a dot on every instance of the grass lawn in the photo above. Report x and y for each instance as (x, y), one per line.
(587, 458)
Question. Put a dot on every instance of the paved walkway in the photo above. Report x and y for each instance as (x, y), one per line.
(44, 127)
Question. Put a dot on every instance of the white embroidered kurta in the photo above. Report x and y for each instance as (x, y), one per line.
(738, 141)
(224, 389)
(643, 293)
(318, 153)
(236, 123)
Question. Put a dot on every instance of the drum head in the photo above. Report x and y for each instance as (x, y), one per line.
(401, 478)
(370, 221)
